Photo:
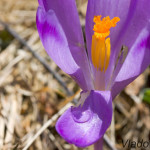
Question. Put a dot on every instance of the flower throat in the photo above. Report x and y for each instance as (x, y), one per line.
(101, 47)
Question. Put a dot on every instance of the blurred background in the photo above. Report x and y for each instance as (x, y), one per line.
(34, 92)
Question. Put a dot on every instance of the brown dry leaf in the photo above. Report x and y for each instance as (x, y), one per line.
(135, 87)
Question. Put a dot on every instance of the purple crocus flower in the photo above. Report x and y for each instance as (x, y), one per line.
(112, 27)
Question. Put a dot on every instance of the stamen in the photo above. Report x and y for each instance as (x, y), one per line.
(108, 47)
(101, 47)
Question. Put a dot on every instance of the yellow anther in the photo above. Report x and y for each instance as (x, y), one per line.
(103, 26)
(108, 50)
(101, 47)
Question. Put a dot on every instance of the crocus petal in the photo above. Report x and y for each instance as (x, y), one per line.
(56, 45)
(135, 63)
(86, 124)
(138, 17)
(66, 12)
(41, 3)
(67, 15)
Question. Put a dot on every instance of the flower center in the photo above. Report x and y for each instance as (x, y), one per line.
(101, 47)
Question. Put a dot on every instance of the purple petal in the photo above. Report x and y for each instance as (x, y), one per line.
(135, 63)
(86, 124)
(67, 15)
(138, 17)
(41, 3)
(56, 44)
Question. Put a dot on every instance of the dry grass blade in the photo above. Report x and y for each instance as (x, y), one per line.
(53, 139)
(8, 69)
(11, 121)
(110, 144)
(46, 125)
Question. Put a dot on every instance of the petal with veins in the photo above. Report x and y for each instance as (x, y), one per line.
(84, 125)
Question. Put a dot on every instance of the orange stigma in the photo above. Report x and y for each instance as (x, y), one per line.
(101, 47)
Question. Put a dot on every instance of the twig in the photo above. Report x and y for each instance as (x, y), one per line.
(36, 55)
